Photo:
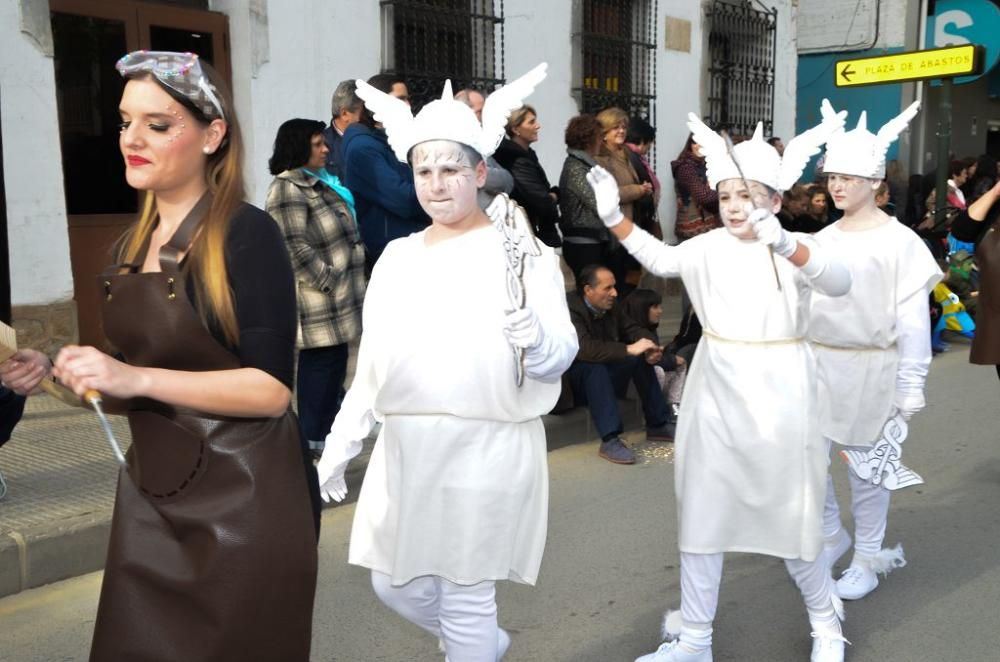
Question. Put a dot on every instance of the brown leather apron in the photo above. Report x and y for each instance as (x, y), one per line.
(213, 548)
(986, 342)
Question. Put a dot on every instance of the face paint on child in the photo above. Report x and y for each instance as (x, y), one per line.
(446, 180)
(736, 203)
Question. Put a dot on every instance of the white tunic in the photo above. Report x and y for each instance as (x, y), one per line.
(457, 483)
(750, 464)
(856, 337)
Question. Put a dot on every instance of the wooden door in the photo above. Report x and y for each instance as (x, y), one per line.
(89, 37)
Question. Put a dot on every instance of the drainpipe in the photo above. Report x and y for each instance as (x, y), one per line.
(917, 163)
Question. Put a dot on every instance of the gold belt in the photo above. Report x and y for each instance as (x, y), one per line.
(735, 341)
(852, 349)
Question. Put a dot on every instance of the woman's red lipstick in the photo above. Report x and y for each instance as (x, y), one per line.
(134, 160)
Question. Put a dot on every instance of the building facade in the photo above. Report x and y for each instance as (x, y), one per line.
(64, 199)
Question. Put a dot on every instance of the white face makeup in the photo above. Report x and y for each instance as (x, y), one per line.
(851, 193)
(735, 203)
(446, 181)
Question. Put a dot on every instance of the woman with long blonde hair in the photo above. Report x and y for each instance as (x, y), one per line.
(212, 510)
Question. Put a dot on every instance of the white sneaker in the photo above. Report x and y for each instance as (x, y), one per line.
(857, 581)
(832, 551)
(672, 651)
(827, 647)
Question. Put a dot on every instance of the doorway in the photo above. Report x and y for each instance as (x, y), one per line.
(89, 36)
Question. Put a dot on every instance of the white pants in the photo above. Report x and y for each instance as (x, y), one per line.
(701, 576)
(869, 507)
(464, 617)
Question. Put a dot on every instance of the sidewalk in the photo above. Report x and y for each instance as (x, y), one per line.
(61, 475)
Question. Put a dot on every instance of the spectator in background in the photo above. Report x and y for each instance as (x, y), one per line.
(11, 408)
(498, 180)
(775, 142)
(345, 110)
(585, 239)
(819, 204)
(645, 308)
(639, 139)
(384, 196)
(697, 202)
(614, 351)
(973, 225)
(882, 199)
(794, 215)
(316, 215)
(614, 156)
(958, 174)
(531, 187)
(983, 178)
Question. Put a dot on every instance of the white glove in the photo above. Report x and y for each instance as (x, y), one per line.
(523, 329)
(907, 407)
(769, 232)
(606, 193)
(331, 468)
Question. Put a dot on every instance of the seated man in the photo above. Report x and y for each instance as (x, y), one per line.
(613, 350)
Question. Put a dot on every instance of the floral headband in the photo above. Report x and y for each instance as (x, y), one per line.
(181, 72)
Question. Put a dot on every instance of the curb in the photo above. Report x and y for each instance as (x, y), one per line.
(75, 546)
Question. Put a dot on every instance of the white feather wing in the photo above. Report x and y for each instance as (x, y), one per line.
(395, 115)
(500, 104)
(806, 145)
(713, 148)
(891, 130)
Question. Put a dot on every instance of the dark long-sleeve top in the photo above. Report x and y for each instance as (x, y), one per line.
(263, 285)
(11, 408)
(966, 228)
(603, 338)
(531, 186)
(579, 217)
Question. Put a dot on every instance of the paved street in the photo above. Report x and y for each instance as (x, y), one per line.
(611, 566)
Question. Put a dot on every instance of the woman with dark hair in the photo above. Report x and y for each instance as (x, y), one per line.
(982, 179)
(639, 138)
(212, 508)
(697, 202)
(645, 308)
(531, 186)
(316, 214)
(585, 239)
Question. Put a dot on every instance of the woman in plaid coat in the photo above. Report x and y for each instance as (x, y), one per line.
(316, 215)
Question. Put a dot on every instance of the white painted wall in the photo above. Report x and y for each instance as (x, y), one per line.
(827, 26)
(311, 45)
(786, 64)
(542, 32)
(33, 180)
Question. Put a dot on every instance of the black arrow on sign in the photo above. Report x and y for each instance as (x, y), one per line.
(846, 74)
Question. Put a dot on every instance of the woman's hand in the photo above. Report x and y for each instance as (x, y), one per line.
(23, 371)
(85, 368)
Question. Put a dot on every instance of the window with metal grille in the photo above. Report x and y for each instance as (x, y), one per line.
(427, 41)
(742, 42)
(618, 56)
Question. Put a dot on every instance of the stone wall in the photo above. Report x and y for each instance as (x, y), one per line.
(46, 327)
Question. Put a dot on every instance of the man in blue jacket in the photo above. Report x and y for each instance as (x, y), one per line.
(384, 194)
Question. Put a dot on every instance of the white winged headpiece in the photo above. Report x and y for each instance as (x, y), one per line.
(759, 161)
(447, 119)
(860, 152)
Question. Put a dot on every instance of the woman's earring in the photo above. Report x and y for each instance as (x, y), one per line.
(206, 149)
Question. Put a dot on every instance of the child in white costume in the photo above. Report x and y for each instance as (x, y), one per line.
(455, 496)
(872, 346)
(750, 462)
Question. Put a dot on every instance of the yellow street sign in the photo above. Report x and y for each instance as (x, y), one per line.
(945, 62)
